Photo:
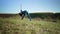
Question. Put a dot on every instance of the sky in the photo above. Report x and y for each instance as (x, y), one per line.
(32, 6)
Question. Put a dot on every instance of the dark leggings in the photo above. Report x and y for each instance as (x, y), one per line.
(28, 15)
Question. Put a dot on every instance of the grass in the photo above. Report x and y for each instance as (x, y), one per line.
(14, 25)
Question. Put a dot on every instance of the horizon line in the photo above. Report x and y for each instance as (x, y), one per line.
(30, 12)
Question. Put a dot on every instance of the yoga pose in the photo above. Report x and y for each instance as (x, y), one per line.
(23, 13)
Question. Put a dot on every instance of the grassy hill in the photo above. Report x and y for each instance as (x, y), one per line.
(38, 25)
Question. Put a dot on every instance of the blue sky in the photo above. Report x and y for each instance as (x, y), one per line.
(13, 6)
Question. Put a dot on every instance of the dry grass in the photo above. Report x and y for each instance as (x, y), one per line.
(14, 25)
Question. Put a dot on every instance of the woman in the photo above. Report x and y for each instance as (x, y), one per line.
(23, 13)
